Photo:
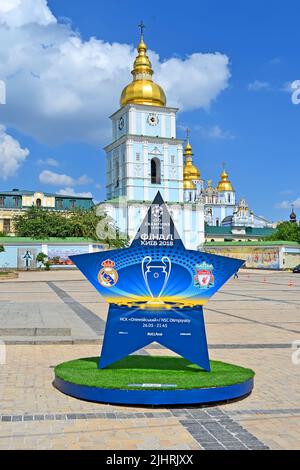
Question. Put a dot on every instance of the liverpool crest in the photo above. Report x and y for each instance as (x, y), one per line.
(108, 276)
(204, 278)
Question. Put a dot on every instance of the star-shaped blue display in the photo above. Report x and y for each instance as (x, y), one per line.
(156, 290)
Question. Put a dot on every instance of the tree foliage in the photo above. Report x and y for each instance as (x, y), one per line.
(286, 231)
(1, 248)
(43, 259)
(43, 223)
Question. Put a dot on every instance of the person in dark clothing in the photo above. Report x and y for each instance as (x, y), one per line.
(236, 275)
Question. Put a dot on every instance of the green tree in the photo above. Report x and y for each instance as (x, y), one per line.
(43, 259)
(286, 231)
(41, 223)
(1, 248)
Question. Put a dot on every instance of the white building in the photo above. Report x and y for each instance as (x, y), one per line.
(146, 157)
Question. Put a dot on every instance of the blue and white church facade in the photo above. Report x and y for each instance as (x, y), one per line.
(145, 157)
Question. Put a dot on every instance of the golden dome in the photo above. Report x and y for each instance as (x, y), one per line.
(188, 149)
(224, 184)
(190, 171)
(188, 185)
(142, 90)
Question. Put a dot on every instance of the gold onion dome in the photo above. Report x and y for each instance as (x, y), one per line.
(224, 184)
(190, 171)
(188, 185)
(143, 90)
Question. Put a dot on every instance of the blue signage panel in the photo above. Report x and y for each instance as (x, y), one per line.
(156, 290)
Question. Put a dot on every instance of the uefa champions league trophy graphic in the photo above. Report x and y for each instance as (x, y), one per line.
(156, 275)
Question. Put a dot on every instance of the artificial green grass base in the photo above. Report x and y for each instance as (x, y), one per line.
(151, 370)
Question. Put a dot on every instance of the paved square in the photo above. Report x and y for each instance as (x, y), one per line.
(47, 318)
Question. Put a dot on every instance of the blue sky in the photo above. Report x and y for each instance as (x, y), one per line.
(62, 86)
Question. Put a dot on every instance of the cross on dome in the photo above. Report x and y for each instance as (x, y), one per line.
(142, 27)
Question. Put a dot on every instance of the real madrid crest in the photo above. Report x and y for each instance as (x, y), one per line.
(108, 276)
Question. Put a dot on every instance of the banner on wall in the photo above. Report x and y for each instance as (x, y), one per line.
(259, 257)
(60, 255)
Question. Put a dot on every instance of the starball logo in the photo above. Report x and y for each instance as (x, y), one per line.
(107, 227)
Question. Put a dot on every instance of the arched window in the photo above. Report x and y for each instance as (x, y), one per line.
(229, 198)
(38, 202)
(155, 171)
(117, 177)
(217, 223)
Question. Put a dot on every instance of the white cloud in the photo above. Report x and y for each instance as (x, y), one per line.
(257, 85)
(48, 161)
(16, 13)
(61, 87)
(195, 81)
(296, 203)
(12, 155)
(286, 87)
(283, 205)
(84, 179)
(71, 192)
(214, 132)
(288, 204)
(57, 179)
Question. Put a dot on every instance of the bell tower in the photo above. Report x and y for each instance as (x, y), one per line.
(145, 155)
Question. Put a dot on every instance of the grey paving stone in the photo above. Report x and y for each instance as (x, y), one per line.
(6, 418)
(213, 429)
(49, 417)
(92, 320)
(213, 447)
(235, 446)
(60, 417)
(17, 418)
(39, 418)
(187, 422)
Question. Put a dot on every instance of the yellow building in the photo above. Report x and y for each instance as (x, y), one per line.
(16, 202)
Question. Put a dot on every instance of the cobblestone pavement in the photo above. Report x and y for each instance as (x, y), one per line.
(253, 321)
